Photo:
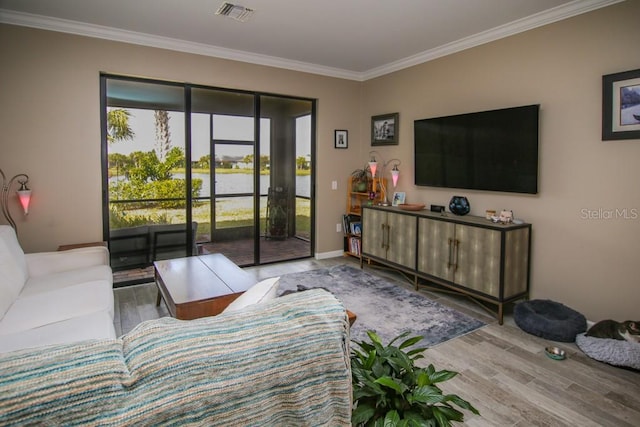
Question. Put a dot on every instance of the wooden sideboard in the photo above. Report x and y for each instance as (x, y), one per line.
(487, 261)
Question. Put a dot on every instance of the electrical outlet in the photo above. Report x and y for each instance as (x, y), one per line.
(334, 185)
(338, 228)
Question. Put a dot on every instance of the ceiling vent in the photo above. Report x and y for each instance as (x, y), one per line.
(237, 12)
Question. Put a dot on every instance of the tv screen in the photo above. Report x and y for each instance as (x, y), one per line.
(491, 150)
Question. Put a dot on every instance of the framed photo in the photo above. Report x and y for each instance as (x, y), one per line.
(621, 105)
(398, 198)
(384, 129)
(341, 138)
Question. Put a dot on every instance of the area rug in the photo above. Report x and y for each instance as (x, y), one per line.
(384, 307)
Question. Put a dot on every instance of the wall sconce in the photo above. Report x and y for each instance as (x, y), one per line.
(24, 196)
(395, 173)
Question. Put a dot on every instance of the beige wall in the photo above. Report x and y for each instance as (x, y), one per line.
(49, 116)
(590, 265)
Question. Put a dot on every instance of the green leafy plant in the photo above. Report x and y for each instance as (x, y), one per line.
(390, 390)
(360, 179)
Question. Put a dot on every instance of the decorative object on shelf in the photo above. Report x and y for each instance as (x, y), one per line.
(506, 217)
(24, 196)
(410, 207)
(384, 129)
(360, 180)
(621, 105)
(398, 198)
(490, 213)
(341, 138)
(373, 167)
(459, 205)
(372, 197)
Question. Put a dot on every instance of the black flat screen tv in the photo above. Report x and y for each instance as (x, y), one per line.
(491, 150)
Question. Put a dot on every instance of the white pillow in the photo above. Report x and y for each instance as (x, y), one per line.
(260, 292)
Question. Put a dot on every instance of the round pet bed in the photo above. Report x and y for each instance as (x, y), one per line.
(614, 352)
(549, 319)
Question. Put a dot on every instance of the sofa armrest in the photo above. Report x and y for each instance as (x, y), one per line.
(42, 263)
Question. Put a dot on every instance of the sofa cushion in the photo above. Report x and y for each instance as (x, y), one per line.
(13, 268)
(43, 308)
(63, 279)
(261, 292)
(45, 263)
(98, 325)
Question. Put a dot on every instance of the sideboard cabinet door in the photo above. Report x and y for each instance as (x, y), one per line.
(389, 237)
(374, 233)
(402, 239)
(435, 248)
(478, 259)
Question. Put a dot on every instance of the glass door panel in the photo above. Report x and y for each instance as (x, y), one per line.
(146, 188)
(287, 208)
(223, 135)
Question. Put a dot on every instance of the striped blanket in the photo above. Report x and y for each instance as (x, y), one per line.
(284, 363)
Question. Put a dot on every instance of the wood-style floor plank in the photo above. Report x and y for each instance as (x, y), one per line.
(503, 371)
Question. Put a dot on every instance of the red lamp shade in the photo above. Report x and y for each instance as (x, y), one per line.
(373, 165)
(24, 195)
(395, 174)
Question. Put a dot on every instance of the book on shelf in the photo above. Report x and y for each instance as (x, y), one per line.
(354, 245)
(356, 227)
(349, 224)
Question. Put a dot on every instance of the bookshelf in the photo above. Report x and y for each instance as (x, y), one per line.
(352, 219)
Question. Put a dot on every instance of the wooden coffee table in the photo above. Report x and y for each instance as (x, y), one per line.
(199, 286)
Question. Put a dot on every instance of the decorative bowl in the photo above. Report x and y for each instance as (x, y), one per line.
(555, 353)
(410, 207)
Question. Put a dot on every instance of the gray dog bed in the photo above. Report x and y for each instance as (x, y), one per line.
(549, 319)
(613, 352)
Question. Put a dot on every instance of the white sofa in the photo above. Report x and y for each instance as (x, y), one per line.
(53, 297)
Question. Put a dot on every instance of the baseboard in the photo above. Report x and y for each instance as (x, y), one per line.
(332, 254)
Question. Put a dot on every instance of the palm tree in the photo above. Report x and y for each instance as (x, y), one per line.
(118, 128)
(163, 136)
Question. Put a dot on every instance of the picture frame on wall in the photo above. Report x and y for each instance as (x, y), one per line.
(621, 106)
(398, 198)
(341, 138)
(384, 129)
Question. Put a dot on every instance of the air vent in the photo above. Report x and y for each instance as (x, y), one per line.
(237, 12)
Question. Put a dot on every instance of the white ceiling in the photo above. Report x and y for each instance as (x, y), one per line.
(353, 39)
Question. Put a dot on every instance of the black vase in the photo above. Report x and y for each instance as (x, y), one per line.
(459, 205)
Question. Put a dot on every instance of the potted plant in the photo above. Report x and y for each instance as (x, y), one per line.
(360, 180)
(389, 390)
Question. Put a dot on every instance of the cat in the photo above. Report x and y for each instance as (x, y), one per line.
(628, 330)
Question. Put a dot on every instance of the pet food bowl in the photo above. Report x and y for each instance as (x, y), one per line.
(555, 353)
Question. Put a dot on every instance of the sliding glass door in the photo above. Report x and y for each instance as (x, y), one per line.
(193, 170)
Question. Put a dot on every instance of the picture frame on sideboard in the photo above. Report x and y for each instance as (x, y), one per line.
(398, 198)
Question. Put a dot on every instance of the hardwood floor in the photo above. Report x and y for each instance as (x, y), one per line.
(503, 371)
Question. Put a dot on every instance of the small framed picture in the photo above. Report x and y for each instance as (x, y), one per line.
(384, 129)
(398, 198)
(341, 139)
(621, 106)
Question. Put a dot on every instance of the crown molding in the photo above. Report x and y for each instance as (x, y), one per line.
(569, 10)
(559, 13)
(149, 40)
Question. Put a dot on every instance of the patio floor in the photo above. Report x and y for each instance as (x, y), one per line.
(238, 251)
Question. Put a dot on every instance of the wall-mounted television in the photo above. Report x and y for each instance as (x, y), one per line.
(490, 150)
